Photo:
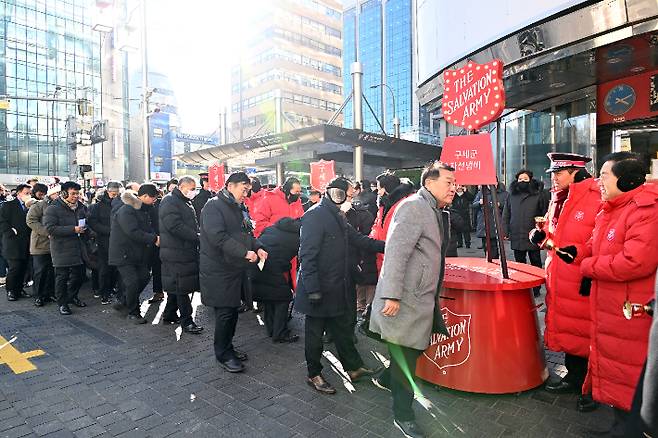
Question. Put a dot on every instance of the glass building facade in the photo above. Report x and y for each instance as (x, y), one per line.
(47, 49)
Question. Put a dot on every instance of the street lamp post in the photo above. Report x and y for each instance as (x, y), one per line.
(145, 99)
(396, 121)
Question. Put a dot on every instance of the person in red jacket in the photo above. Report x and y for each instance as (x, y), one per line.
(390, 191)
(255, 194)
(575, 202)
(281, 202)
(621, 260)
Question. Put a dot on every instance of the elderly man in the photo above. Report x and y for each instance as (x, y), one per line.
(16, 241)
(403, 310)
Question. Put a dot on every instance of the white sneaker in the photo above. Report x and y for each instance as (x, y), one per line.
(3, 280)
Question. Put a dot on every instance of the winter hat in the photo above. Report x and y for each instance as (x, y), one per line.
(238, 177)
(339, 182)
(388, 182)
(54, 190)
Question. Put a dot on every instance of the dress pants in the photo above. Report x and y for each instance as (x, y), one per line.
(464, 237)
(44, 276)
(494, 247)
(276, 318)
(67, 283)
(135, 278)
(364, 295)
(107, 275)
(397, 377)
(16, 274)
(576, 369)
(341, 329)
(156, 272)
(184, 304)
(171, 307)
(226, 318)
(533, 255)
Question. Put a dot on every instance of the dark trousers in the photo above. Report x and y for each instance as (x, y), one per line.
(533, 255)
(184, 304)
(156, 272)
(135, 278)
(276, 318)
(171, 308)
(226, 318)
(494, 247)
(397, 378)
(95, 280)
(464, 237)
(341, 329)
(16, 274)
(67, 283)
(107, 275)
(44, 276)
(576, 369)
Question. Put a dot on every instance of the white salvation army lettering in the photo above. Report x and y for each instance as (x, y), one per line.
(458, 343)
(469, 93)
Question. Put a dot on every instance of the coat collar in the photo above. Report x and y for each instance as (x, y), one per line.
(178, 194)
(426, 195)
(130, 199)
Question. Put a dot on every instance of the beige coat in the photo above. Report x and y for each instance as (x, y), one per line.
(39, 241)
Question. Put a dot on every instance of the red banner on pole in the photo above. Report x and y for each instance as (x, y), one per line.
(472, 158)
(322, 172)
(473, 96)
(216, 177)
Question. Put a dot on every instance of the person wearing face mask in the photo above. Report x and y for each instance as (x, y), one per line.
(325, 288)
(179, 253)
(461, 206)
(281, 202)
(526, 201)
(16, 241)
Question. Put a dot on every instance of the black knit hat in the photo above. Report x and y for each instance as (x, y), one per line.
(238, 177)
(340, 182)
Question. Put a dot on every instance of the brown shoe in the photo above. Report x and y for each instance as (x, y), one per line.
(356, 375)
(319, 384)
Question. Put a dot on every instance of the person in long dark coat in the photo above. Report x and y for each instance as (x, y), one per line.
(228, 249)
(16, 241)
(179, 250)
(273, 285)
(461, 206)
(363, 262)
(526, 201)
(203, 195)
(325, 286)
(62, 220)
(479, 214)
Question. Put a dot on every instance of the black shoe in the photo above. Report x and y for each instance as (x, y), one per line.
(240, 355)
(25, 294)
(410, 429)
(78, 303)
(233, 365)
(193, 329)
(38, 302)
(286, 339)
(357, 375)
(157, 298)
(96, 294)
(468, 246)
(11, 296)
(65, 310)
(137, 319)
(536, 293)
(560, 387)
(585, 403)
(319, 384)
(175, 320)
(106, 301)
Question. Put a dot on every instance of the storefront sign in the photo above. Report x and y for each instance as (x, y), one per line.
(454, 350)
(474, 96)
(216, 175)
(626, 99)
(472, 158)
(322, 172)
(160, 143)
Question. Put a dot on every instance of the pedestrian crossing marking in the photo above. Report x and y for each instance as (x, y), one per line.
(18, 362)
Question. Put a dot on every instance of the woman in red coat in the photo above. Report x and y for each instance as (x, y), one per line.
(621, 260)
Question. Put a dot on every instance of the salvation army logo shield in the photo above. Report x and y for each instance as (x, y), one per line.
(322, 172)
(580, 215)
(455, 349)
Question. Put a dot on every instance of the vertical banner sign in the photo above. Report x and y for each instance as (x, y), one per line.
(474, 95)
(216, 177)
(322, 172)
(472, 158)
(160, 142)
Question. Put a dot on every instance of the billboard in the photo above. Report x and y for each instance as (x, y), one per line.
(160, 142)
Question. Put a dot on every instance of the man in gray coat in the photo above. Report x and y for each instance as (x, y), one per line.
(404, 305)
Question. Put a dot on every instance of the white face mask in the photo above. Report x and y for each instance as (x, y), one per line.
(460, 193)
(191, 194)
(346, 206)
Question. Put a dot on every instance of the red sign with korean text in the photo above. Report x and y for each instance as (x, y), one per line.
(472, 158)
(216, 177)
(322, 172)
(474, 95)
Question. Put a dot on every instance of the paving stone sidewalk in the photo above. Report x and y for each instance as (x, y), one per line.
(102, 377)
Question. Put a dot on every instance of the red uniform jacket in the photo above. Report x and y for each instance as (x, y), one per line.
(567, 312)
(621, 259)
(251, 201)
(272, 207)
(380, 229)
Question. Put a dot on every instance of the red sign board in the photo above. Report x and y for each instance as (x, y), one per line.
(472, 158)
(322, 172)
(629, 98)
(216, 177)
(473, 96)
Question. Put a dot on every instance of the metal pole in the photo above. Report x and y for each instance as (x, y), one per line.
(278, 129)
(220, 129)
(225, 133)
(145, 99)
(357, 102)
(499, 231)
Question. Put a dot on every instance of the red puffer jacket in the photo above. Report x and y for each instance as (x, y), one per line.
(567, 312)
(251, 201)
(272, 207)
(621, 259)
(380, 229)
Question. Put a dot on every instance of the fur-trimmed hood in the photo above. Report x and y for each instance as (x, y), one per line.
(129, 197)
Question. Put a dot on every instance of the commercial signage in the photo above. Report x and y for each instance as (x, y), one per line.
(474, 95)
(472, 158)
(322, 172)
(216, 175)
(200, 139)
(160, 142)
(630, 98)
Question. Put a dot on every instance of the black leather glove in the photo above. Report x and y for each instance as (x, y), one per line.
(567, 254)
(315, 298)
(585, 287)
(537, 236)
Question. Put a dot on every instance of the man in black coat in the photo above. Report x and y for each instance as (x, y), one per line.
(325, 289)
(100, 215)
(16, 241)
(461, 206)
(65, 220)
(368, 197)
(364, 266)
(273, 285)
(203, 196)
(179, 252)
(131, 245)
(228, 249)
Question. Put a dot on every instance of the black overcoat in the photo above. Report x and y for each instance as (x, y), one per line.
(100, 215)
(519, 212)
(65, 244)
(324, 263)
(15, 244)
(226, 237)
(179, 244)
(133, 236)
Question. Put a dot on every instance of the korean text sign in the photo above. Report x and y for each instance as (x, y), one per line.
(472, 158)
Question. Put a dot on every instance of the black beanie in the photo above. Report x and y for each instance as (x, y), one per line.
(339, 182)
(238, 177)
